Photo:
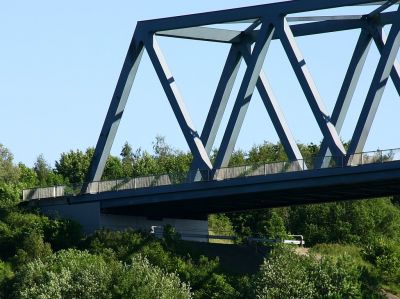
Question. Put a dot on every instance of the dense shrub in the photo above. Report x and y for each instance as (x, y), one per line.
(141, 280)
(217, 287)
(286, 274)
(385, 255)
(345, 222)
(66, 274)
(123, 243)
(6, 274)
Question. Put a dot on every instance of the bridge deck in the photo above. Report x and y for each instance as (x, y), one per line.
(246, 193)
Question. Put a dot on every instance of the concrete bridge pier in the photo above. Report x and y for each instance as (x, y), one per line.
(91, 218)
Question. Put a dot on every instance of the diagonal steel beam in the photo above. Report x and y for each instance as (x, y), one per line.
(383, 7)
(218, 105)
(244, 96)
(309, 88)
(346, 92)
(275, 112)
(380, 41)
(375, 93)
(115, 111)
(177, 104)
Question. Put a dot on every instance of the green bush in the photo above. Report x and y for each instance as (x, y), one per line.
(284, 275)
(66, 274)
(385, 255)
(141, 280)
(217, 287)
(122, 243)
(6, 274)
(345, 222)
(9, 195)
(32, 247)
(336, 278)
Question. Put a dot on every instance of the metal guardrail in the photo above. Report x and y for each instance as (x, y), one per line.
(158, 232)
(379, 156)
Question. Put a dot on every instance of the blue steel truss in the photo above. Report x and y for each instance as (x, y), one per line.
(266, 23)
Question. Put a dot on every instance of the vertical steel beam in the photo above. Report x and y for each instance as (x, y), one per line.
(275, 113)
(177, 104)
(380, 41)
(218, 105)
(310, 90)
(115, 111)
(346, 92)
(244, 96)
(374, 96)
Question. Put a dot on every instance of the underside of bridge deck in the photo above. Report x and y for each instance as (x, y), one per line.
(198, 199)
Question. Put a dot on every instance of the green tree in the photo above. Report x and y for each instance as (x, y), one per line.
(113, 169)
(161, 148)
(284, 275)
(27, 176)
(128, 158)
(345, 222)
(265, 223)
(32, 247)
(44, 173)
(74, 165)
(8, 172)
(267, 153)
(66, 274)
(42, 170)
(142, 280)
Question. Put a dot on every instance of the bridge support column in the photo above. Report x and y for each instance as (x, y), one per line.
(90, 217)
(189, 229)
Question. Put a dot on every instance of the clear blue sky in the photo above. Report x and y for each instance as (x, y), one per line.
(59, 63)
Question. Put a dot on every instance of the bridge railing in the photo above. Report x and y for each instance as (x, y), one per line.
(260, 169)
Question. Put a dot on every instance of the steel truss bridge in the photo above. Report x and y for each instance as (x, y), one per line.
(336, 173)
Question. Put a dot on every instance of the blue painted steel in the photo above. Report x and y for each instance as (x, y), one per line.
(310, 90)
(374, 96)
(347, 91)
(304, 187)
(380, 40)
(178, 106)
(115, 111)
(218, 104)
(246, 13)
(249, 82)
(274, 25)
(276, 114)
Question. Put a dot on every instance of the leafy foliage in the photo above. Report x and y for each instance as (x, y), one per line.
(66, 274)
(142, 280)
(124, 264)
(346, 222)
(286, 274)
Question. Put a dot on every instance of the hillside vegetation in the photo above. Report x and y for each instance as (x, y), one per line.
(354, 245)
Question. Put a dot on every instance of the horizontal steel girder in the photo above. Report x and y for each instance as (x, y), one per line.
(322, 25)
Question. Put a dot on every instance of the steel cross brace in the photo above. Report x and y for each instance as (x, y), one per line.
(244, 96)
(115, 112)
(178, 106)
(346, 92)
(221, 98)
(375, 93)
(310, 90)
(351, 80)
